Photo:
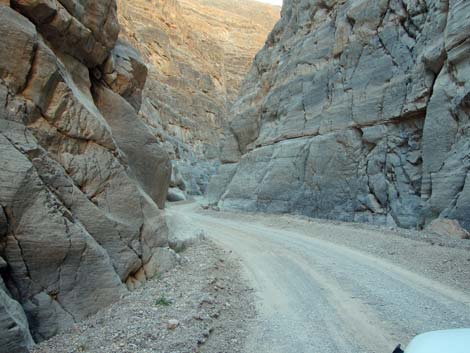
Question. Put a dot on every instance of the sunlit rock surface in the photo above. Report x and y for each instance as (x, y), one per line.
(198, 52)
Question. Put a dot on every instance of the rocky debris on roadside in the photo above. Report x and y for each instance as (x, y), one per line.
(201, 305)
(181, 232)
(173, 324)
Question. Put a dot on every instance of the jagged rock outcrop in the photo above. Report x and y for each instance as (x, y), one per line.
(355, 110)
(82, 177)
(198, 53)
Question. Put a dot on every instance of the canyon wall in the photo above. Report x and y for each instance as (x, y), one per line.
(82, 178)
(355, 110)
(198, 52)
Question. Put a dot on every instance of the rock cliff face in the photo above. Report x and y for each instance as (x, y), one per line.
(355, 110)
(198, 53)
(82, 177)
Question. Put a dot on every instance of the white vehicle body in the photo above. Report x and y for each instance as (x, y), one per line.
(447, 341)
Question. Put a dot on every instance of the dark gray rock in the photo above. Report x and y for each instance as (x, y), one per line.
(3, 223)
(15, 336)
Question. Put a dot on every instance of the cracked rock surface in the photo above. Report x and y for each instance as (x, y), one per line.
(355, 110)
(80, 215)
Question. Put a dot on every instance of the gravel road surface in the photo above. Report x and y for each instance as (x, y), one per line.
(339, 288)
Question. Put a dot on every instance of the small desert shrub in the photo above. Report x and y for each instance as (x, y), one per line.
(162, 301)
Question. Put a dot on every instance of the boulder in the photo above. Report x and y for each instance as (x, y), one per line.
(448, 228)
(173, 324)
(181, 231)
(126, 73)
(175, 195)
(162, 260)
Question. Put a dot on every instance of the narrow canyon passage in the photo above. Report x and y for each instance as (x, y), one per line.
(115, 115)
(320, 296)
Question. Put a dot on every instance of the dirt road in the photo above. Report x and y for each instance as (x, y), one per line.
(320, 291)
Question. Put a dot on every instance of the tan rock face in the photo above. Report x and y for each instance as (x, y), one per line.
(449, 228)
(198, 53)
(82, 177)
(85, 29)
(355, 110)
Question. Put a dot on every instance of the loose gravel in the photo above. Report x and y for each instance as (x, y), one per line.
(202, 305)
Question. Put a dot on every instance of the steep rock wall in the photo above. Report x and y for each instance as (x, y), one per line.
(355, 110)
(79, 215)
(198, 53)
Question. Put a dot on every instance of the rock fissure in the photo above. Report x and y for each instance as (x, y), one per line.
(31, 67)
(27, 271)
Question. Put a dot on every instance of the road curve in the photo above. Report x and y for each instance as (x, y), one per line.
(318, 296)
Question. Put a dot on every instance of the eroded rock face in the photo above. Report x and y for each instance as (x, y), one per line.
(84, 29)
(355, 110)
(82, 178)
(198, 53)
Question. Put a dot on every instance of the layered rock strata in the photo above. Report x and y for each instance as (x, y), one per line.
(82, 178)
(198, 53)
(355, 110)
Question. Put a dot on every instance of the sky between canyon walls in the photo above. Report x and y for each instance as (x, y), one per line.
(273, 2)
